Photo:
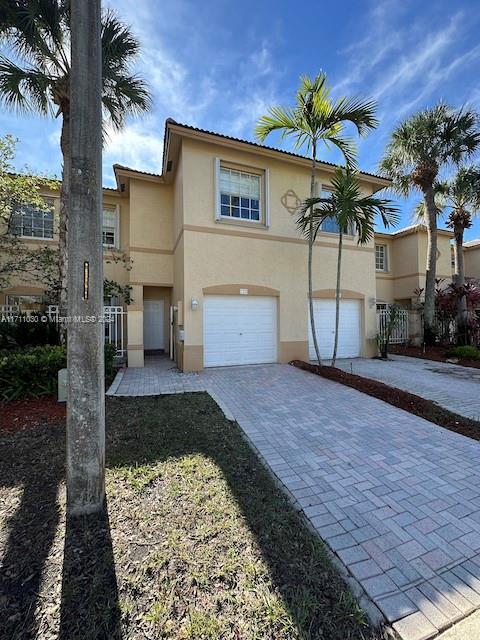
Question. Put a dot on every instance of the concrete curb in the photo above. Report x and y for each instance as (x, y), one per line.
(116, 383)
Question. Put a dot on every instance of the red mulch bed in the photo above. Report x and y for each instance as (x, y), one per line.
(398, 398)
(438, 354)
(30, 413)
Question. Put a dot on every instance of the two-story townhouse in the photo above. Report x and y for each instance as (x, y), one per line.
(219, 270)
(471, 256)
(400, 260)
(40, 228)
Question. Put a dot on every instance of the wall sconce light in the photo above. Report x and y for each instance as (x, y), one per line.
(194, 304)
(372, 302)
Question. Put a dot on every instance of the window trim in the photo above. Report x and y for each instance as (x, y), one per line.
(264, 208)
(48, 199)
(116, 210)
(385, 258)
(24, 295)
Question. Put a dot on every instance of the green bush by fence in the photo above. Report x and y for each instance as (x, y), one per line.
(31, 330)
(31, 373)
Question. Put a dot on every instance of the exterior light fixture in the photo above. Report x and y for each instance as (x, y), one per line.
(86, 278)
(194, 304)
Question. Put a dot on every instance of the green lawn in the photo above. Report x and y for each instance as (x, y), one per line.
(198, 542)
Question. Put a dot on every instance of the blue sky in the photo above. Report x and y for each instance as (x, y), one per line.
(219, 65)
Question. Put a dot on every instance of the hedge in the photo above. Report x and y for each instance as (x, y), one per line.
(31, 373)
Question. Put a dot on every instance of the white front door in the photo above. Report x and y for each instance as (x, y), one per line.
(153, 325)
(239, 330)
(349, 342)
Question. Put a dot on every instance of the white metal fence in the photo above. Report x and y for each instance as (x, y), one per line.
(114, 323)
(400, 331)
(8, 311)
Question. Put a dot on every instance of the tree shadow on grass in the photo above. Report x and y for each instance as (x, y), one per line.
(33, 461)
(89, 607)
(142, 431)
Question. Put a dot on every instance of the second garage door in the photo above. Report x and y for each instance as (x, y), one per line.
(349, 343)
(239, 330)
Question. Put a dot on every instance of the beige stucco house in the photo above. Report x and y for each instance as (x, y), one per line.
(400, 259)
(217, 267)
(471, 253)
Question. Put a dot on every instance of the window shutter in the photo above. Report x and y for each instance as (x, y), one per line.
(216, 173)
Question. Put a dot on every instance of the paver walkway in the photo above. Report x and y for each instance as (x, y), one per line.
(452, 386)
(395, 497)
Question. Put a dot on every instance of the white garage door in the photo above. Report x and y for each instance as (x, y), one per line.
(239, 330)
(349, 343)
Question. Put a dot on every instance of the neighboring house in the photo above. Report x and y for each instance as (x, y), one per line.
(39, 227)
(219, 271)
(471, 253)
(400, 260)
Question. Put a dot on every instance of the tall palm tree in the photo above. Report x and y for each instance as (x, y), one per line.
(36, 78)
(354, 213)
(418, 150)
(317, 119)
(461, 195)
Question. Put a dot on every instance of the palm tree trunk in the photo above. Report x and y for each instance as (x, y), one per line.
(337, 297)
(310, 253)
(462, 331)
(63, 222)
(431, 267)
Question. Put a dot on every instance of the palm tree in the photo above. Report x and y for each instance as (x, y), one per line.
(354, 213)
(418, 150)
(317, 118)
(37, 78)
(461, 195)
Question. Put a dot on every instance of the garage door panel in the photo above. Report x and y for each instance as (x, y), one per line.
(239, 330)
(349, 340)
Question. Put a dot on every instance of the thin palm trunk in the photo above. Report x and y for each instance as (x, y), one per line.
(431, 266)
(310, 254)
(63, 222)
(337, 297)
(462, 333)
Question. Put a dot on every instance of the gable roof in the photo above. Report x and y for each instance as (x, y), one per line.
(173, 127)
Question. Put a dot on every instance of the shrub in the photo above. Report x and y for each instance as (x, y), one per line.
(28, 331)
(110, 351)
(30, 373)
(464, 352)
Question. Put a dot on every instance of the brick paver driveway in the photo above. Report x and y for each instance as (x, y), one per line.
(452, 386)
(395, 497)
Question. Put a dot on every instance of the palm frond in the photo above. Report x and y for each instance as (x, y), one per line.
(315, 118)
(24, 89)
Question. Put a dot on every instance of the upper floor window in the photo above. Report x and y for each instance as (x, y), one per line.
(240, 194)
(29, 221)
(110, 231)
(330, 225)
(381, 257)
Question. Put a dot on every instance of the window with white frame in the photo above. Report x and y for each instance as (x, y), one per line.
(29, 221)
(330, 225)
(381, 257)
(240, 194)
(24, 301)
(110, 231)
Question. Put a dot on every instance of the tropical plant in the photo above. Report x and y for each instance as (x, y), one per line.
(354, 213)
(419, 149)
(384, 336)
(37, 78)
(317, 119)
